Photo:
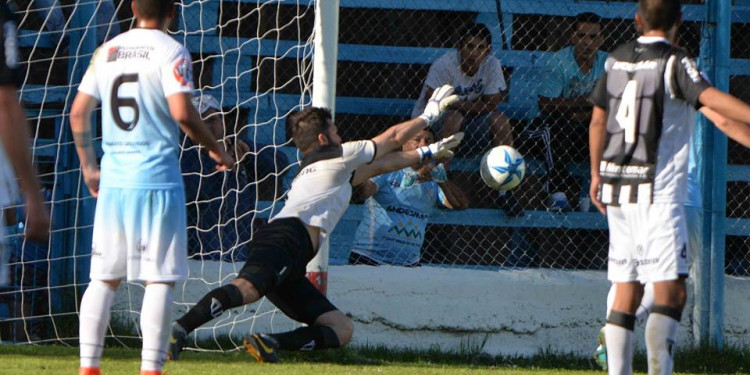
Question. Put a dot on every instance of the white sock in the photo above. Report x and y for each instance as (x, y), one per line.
(619, 350)
(611, 298)
(156, 314)
(660, 334)
(647, 303)
(93, 321)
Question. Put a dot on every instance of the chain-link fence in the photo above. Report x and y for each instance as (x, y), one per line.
(537, 63)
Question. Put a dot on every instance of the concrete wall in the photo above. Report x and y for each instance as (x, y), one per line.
(518, 312)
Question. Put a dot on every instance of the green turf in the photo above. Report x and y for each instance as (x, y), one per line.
(28, 360)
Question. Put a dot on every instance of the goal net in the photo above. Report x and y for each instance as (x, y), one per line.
(252, 65)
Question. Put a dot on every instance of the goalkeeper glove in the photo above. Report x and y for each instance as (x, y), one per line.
(439, 101)
(442, 148)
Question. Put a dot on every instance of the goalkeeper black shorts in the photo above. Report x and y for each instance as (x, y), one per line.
(276, 264)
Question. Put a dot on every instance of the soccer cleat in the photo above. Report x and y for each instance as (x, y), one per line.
(177, 341)
(600, 354)
(89, 371)
(151, 372)
(558, 202)
(262, 347)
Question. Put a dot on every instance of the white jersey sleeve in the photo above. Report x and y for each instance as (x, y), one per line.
(89, 83)
(177, 73)
(358, 153)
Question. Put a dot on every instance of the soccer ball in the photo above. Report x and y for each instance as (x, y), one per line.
(502, 168)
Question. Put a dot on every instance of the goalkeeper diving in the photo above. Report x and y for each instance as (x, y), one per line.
(319, 195)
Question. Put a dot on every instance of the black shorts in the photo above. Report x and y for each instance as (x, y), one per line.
(276, 265)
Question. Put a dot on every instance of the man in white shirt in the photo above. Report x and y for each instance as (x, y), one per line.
(144, 82)
(479, 82)
(318, 197)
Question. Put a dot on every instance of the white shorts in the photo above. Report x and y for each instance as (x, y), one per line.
(141, 234)
(647, 242)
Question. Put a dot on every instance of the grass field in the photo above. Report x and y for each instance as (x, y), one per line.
(28, 360)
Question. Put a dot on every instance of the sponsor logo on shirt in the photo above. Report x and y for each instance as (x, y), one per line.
(406, 211)
(631, 67)
(477, 88)
(183, 72)
(692, 69)
(116, 53)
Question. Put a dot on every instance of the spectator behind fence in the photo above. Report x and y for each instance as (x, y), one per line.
(219, 204)
(564, 103)
(54, 20)
(398, 205)
(479, 81)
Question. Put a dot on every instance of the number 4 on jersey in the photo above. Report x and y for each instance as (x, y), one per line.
(627, 112)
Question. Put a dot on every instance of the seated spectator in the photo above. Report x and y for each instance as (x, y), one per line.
(220, 204)
(478, 79)
(564, 103)
(397, 208)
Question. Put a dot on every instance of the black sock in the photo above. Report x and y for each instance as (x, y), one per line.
(307, 338)
(211, 306)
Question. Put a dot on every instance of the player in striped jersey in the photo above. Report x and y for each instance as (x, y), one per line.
(644, 107)
(144, 82)
(14, 145)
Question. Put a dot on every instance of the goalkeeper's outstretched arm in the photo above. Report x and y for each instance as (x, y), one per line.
(395, 136)
(394, 161)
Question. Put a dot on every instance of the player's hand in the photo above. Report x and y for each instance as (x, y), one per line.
(91, 178)
(440, 100)
(224, 161)
(441, 149)
(594, 193)
(37, 219)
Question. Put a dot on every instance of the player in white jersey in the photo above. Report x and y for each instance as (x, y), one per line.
(144, 82)
(14, 146)
(639, 133)
(319, 195)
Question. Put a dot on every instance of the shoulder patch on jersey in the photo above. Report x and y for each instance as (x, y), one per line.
(183, 72)
(691, 68)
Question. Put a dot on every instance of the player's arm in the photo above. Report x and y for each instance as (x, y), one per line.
(725, 104)
(394, 161)
(366, 189)
(14, 134)
(597, 135)
(395, 136)
(390, 162)
(182, 110)
(736, 130)
(455, 198)
(80, 125)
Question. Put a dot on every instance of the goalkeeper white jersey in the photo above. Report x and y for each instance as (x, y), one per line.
(133, 75)
(321, 191)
